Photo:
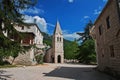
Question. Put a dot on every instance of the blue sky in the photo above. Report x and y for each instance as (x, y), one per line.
(72, 15)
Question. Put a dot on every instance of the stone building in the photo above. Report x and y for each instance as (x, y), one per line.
(106, 32)
(32, 36)
(31, 29)
(56, 53)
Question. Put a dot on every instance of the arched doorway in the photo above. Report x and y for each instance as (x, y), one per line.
(59, 59)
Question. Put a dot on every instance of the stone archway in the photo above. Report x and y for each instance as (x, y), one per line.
(59, 59)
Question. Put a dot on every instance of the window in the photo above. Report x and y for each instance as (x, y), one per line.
(60, 39)
(112, 51)
(108, 22)
(57, 38)
(102, 52)
(22, 27)
(37, 30)
(119, 3)
(100, 30)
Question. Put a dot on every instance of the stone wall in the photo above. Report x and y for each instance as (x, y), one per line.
(108, 37)
(25, 58)
(48, 56)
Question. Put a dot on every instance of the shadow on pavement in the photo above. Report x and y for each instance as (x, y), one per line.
(3, 76)
(78, 73)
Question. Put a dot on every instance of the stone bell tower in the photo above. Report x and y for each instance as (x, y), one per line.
(57, 42)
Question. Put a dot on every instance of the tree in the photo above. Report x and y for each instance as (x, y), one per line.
(86, 34)
(86, 52)
(9, 16)
(70, 50)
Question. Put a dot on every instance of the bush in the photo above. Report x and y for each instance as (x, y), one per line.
(39, 58)
(3, 62)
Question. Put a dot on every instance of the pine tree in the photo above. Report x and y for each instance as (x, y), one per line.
(86, 52)
(9, 16)
(86, 34)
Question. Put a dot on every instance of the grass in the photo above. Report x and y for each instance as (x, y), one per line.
(7, 66)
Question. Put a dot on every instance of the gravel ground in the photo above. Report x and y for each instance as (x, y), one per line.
(53, 72)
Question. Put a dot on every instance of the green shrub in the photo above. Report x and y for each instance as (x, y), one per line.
(39, 58)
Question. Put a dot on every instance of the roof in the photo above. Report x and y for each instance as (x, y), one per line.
(57, 28)
(30, 24)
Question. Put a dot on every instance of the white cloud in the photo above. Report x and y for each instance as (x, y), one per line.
(105, 0)
(99, 7)
(49, 24)
(70, 1)
(96, 12)
(41, 22)
(70, 36)
(33, 10)
(85, 17)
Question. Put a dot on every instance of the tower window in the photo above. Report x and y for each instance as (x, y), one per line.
(60, 39)
(112, 51)
(108, 22)
(57, 38)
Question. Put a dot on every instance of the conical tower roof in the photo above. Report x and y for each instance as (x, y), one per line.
(57, 28)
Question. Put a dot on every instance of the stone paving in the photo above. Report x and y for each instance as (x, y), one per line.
(54, 72)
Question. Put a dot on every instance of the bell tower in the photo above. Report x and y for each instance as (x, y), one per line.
(57, 44)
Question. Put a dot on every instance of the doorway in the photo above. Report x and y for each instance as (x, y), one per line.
(59, 59)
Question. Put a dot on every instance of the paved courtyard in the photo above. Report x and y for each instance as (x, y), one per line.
(54, 72)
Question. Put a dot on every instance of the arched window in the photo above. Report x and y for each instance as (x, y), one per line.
(57, 38)
(60, 39)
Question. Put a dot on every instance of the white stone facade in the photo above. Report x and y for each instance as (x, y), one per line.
(56, 53)
(28, 58)
(33, 28)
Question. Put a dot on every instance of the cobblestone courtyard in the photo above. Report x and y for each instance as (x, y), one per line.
(54, 72)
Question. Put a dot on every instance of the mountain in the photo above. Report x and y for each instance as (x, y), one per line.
(47, 39)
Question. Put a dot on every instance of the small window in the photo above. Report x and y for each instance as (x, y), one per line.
(100, 30)
(112, 51)
(37, 30)
(57, 38)
(119, 3)
(108, 22)
(22, 27)
(60, 39)
(102, 52)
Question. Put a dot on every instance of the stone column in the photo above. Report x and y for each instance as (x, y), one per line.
(30, 42)
(21, 41)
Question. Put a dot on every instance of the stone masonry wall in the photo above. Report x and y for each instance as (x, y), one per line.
(108, 37)
(25, 58)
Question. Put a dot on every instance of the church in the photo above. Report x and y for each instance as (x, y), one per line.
(55, 54)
